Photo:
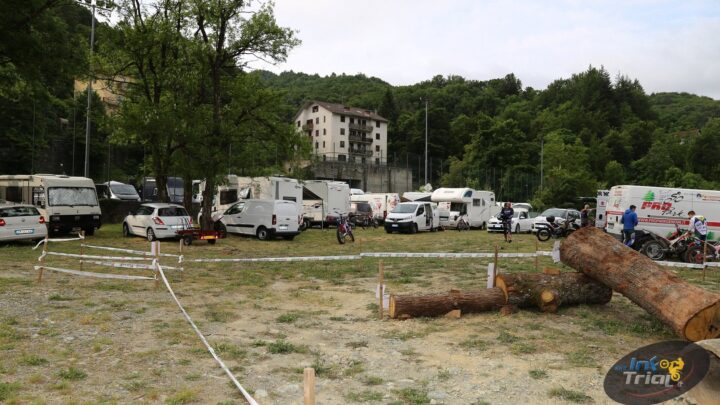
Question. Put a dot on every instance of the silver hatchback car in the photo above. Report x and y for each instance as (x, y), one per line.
(21, 222)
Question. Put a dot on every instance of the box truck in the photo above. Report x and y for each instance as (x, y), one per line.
(68, 203)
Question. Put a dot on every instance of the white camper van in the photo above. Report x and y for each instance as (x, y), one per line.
(601, 208)
(67, 203)
(659, 209)
(477, 206)
(262, 218)
(381, 203)
(324, 201)
(412, 217)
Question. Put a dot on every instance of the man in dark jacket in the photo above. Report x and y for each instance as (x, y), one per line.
(629, 221)
(506, 216)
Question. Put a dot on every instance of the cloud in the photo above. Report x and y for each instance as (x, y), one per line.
(666, 45)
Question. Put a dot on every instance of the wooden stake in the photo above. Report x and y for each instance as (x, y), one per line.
(82, 249)
(497, 269)
(536, 254)
(704, 257)
(181, 245)
(309, 388)
(157, 263)
(381, 279)
(42, 261)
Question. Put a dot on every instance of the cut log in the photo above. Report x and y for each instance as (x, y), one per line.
(405, 306)
(507, 310)
(708, 391)
(692, 312)
(548, 292)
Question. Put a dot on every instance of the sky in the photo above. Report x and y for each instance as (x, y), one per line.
(665, 45)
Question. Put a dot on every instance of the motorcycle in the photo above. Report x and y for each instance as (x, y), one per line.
(344, 230)
(694, 252)
(556, 230)
(657, 247)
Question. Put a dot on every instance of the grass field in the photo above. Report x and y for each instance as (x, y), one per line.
(80, 340)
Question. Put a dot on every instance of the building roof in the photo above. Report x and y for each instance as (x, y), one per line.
(344, 110)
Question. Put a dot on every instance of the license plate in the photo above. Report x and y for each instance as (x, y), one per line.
(394, 225)
(177, 227)
(24, 231)
(283, 227)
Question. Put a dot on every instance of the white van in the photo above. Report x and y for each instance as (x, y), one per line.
(602, 199)
(262, 218)
(324, 201)
(412, 217)
(67, 203)
(659, 209)
(477, 206)
(381, 203)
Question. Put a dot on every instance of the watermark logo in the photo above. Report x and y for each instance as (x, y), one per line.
(657, 373)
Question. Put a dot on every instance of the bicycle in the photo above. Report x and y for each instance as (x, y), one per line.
(344, 230)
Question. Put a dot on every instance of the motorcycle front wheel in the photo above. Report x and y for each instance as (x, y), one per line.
(543, 235)
(340, 236)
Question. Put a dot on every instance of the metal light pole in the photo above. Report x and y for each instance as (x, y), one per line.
(542, 147)
(89, 96)
(426, 141)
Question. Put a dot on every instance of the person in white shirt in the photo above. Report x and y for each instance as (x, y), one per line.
(698, 226)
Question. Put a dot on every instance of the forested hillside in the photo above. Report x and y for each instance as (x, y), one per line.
(594, 131)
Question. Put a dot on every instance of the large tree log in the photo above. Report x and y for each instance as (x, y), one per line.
(692, 312)
(708, 391)
(402, 306)
(548, 292)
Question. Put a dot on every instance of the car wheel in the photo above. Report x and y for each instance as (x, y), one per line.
(126, 230)
(262, 233)
(517, 228)
(414, 228)
(387, 230)
(151, 235)
(187, 240)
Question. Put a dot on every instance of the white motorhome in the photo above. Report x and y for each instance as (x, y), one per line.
(602, 199)
(381, 203)
(262, 218)
(325, 201)
(477, 206)
(659, 209)
(412, 217)
(67, 203)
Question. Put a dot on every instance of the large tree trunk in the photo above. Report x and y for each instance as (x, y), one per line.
(440, 304)
(548, 292)
(692, 312)
(708, 391)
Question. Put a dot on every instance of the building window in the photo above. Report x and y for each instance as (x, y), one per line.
(316, 145)
(324, 131)
(317, 120)
(377, 124)
(352, 120)
(377, 148)
(363, 160)
(315, 108)
(342, 144)
(323, 118)
(298, 123)
(377, 136)
(342, 118)
(342, 131)
(317, 132)
(324, 157)
(377, 161)
(323, 144)
(341, 158)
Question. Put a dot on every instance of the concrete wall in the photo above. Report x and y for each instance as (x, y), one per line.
(369, 177)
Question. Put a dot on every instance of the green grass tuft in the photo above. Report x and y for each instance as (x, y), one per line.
(570, 395)
(72, 374)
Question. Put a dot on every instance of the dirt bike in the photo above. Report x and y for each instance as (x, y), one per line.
(555, 230)
(344, 230)
(694, 252)
(657, 247)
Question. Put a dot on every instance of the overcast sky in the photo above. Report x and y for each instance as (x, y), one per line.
(666, 45)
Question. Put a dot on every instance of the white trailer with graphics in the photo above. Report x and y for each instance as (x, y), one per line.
(659, 209)
(476, 206)
(382, 203)
(67, 203)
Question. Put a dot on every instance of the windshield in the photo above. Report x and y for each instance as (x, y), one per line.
(404, 209)
(172, 212)
(556, 212)
(72, 196)
(123, 189)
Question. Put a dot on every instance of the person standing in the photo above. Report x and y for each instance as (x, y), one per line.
(629, 221)
(697, 226)
(506, 215)
(585, 216)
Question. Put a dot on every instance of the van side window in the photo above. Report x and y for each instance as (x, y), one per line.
(477, 202)
(421, 210)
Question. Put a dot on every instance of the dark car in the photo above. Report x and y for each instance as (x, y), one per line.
(360, 212)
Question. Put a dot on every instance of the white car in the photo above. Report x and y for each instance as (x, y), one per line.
(521, 222)
(21, 222)
(157, 221)
(561, 215)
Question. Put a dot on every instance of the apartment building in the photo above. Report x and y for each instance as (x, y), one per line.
(342, 133)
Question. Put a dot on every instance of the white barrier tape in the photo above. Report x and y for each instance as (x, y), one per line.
(121, 265)
(678, 264)
(543, 253)
(712, 264)
(446, 255)
(137, 252)
(95, 275)
(80, 237)
(279, 259)
(42, 256)
(247, 396)
(79, 256)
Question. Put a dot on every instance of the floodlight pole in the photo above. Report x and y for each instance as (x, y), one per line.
(89, 96)
(426, 141)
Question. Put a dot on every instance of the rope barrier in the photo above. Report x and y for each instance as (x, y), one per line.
(79, 256)
(58, 240)
(94, 275)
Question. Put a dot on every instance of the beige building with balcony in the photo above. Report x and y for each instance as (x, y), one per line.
(344, 134)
